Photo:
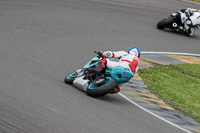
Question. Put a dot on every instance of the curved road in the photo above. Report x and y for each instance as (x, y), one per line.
(43, 40)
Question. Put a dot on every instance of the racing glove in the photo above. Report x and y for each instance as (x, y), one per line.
(100, 53)
(105, 54)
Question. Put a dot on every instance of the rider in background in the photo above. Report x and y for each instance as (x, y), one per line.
(187, 21)
(129, 60)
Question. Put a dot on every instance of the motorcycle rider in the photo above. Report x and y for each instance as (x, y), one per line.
(187, 21)
(129, 60)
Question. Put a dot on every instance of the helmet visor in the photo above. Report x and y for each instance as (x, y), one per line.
(133, 52)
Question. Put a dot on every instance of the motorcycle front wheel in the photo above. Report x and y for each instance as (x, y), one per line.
(70, 78)
(94, 90)
(166, 23)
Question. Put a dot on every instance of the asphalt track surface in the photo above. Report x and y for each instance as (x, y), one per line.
(43, 40)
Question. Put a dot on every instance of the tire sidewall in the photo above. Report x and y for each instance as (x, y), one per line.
(68, 80)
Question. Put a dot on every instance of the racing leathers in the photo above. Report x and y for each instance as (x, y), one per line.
(124, 59)
(119, 58)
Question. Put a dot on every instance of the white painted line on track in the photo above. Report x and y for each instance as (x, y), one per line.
(125, 97)
(172, 53)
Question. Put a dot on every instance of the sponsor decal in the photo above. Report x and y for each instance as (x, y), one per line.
(125, 75)
(183, 18)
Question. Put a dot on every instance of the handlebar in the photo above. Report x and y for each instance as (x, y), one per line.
(98, 54)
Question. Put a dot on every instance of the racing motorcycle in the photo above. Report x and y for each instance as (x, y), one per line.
(98, 84)
(179, 22)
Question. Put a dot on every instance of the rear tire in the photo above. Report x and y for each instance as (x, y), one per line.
(166, 23)
(69, 78)
(97, 91)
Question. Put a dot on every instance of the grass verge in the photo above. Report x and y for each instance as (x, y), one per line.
(177, 85)
(198, 1)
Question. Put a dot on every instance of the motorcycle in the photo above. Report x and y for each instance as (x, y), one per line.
(179, 22)
(98, 84)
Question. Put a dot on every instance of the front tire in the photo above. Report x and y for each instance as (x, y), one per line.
(70, 78)
(97, 91)
(166, 23)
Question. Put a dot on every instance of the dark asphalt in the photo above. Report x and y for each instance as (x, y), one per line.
(44, 40)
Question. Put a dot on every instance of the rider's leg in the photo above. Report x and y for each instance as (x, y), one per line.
(111, 64)
(101, 65)
(188, 27)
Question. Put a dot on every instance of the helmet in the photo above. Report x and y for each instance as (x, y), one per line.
(191, 11)
(134, 50)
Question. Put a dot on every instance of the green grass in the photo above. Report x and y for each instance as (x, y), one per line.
(198, 1)
(177, 85)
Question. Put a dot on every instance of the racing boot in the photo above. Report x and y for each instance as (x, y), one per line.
(116, 90)
(190, 32)
(99, 69)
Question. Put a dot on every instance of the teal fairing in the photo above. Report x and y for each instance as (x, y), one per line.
(121, 74)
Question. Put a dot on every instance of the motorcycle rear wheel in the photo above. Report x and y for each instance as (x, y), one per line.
(94, 90)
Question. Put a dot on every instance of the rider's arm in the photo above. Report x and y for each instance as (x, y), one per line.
(110, 54)
(189, 11)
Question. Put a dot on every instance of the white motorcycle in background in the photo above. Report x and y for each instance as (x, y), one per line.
(185, 20)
